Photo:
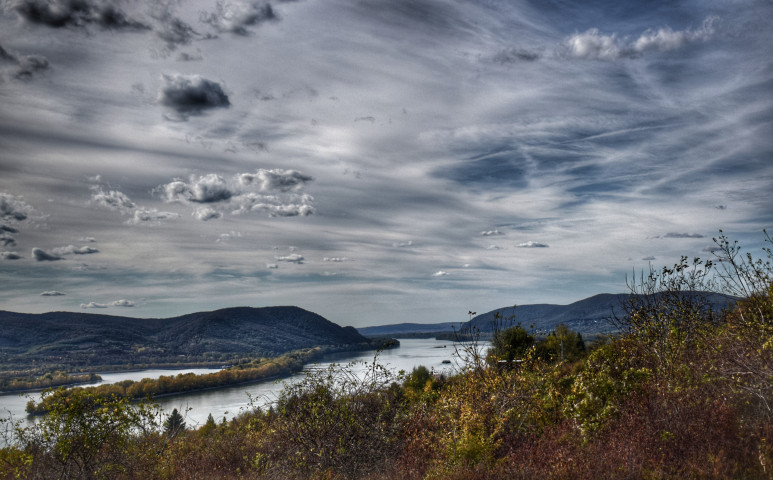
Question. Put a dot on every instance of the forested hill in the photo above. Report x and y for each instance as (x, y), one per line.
(83, 340)
(589, 316)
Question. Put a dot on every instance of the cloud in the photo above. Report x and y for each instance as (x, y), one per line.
(515, 55)
(271, 191)
(276, 180)
(649, 259)
(206, 213)
(275, 206)
(7, 240)
(13, 208)
(174, 31)
(402, 244)
(93, 305)
(683, 235)
(665, 39)
(191, 94)
(531, 244)
(593, 45)
(8, 228)
(122, 303)
(73, 13)
(42, 256)
(489, 233)
(72, 249)
(112, 199)
(272, 266)
(236, 17)
(10, 256)
(493, 247)
(119, 201)
(205, 189)
(144, 216)
(335, 259)
(22, 67)
(52, 293)
(440, 273)
(292, 258)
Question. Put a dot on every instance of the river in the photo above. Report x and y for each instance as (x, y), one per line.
(230, 401)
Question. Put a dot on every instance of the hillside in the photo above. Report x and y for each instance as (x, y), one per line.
(81, 341)
(588, 316)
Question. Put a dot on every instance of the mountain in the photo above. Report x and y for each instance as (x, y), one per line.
(83, 340)
(587, 316)
(408, 329)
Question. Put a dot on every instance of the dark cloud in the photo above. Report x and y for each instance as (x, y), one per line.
(276, 180)
(191, 94)
(52, 293)
(237, 17)
(10, 255)
(189, 57)
(42, 256)
(175, 32)
(13, 208)
(682, 235)
(7, 240)
(8, 228)
(22, 67)
(515, 55)
(74, 13)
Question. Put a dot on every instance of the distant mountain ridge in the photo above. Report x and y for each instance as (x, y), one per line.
(588, 316)
(82, 340)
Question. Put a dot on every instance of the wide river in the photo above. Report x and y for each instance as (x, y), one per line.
(231, 401)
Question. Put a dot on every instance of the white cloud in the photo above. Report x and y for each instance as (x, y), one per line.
(335, 259)
(72, 249)
(206, 213)
(151, 216)
(594, 45)
(112, 199)
(292, 258)
(93, 305)
(440, 273)
(531, 244)
(236, 17)
(122, 303)
(489, 233)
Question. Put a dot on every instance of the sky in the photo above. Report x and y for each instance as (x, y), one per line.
(373, 161)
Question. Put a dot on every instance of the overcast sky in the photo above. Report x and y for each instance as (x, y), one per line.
(374, 161)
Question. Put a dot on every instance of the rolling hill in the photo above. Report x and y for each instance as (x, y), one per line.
(82, 341)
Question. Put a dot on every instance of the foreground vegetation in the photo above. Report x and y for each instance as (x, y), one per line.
(683, 392)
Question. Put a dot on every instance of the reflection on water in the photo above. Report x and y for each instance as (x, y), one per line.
(230, 401)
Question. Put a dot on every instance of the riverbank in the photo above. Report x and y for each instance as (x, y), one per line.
(258, 370)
